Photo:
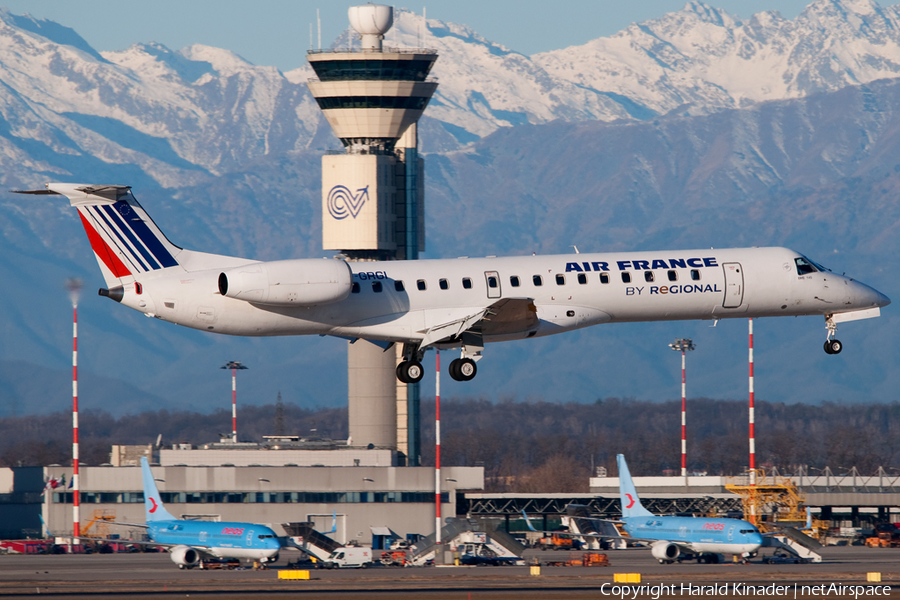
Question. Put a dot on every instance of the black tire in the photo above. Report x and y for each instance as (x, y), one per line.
(454, 369)
(401, 372)
(836, 347)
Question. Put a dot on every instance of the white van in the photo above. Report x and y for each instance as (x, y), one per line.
(349, 557)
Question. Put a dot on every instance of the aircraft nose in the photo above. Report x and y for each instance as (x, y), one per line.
(866, 297)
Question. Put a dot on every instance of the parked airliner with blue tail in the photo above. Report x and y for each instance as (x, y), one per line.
(448, 303)
(189, 542)
(677, 538)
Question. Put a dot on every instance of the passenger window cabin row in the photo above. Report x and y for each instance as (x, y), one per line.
(536, 280)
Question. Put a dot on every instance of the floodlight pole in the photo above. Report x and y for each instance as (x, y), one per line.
(437, 447)
(234, 366)
(74, 287)
(683, 345)
(752, 425)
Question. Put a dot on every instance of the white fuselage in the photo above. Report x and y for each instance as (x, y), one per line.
(568, 292)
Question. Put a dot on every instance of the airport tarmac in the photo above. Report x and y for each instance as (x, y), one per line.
(138, 576)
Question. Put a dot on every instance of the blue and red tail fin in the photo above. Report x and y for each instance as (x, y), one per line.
(153, 503)
(631, 503)
(125, 240)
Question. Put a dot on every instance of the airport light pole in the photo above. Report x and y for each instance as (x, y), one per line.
(683, 346)
(437, 447)
(74, 287)
(752, 416)
(235, 366)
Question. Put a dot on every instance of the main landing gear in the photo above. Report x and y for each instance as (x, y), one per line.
(832, 346)
(410, 369)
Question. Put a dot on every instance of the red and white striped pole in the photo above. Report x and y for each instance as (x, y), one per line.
(683, 345)
(683, 421)
(437, 446)
(234, 405)
(235, 366)
(74, 286)
(752, 423)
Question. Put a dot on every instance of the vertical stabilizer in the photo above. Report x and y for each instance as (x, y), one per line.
(153, 504)
(631, 503)
(125, 240)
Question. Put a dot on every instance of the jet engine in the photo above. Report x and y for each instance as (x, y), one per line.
(184, 556)
(298, 282)
(665, 551)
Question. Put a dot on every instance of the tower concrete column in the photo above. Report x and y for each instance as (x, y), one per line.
(373, 199)
(372, 388)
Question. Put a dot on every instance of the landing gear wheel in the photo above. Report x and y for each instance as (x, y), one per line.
(833, 347)
(410, 371)
(463, 369)
(401, 373)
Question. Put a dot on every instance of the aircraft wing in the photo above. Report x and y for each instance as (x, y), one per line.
(508, 315)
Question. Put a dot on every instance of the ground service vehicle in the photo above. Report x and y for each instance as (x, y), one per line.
(349, 557)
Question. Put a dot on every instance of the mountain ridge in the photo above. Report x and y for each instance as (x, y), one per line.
(226, 157)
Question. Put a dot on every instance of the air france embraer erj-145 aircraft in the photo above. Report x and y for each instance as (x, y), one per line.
(448, 303)
(191, 541)
(674, 538)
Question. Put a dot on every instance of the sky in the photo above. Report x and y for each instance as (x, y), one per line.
(277, 32)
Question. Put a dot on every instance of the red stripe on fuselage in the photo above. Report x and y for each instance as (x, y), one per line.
(103, 250)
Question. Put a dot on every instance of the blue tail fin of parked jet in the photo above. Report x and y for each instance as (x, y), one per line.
(631, 503)
(153, 504)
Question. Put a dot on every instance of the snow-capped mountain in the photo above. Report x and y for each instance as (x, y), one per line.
(707, 59)
(692, 130)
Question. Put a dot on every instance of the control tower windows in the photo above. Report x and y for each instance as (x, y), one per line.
(405, 102)
(373, 70)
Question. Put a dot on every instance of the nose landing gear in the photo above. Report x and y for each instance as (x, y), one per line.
(832, 346)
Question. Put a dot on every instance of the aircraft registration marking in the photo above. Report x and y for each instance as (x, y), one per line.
(364, 275)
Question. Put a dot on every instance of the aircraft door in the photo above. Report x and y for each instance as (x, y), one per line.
(249, 538)
(492, 278)
(734, 285)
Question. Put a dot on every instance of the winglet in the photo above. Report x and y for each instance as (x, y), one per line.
(333, 523)
(153, 504)
(528, 521)
(631, 503)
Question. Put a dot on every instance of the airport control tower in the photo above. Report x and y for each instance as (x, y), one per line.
(373, 199)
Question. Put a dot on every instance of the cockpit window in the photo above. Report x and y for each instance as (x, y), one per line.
(804, 266)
